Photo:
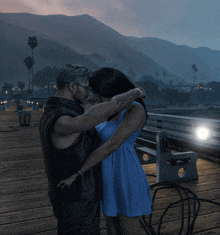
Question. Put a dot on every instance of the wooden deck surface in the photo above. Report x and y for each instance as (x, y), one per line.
(25, 207)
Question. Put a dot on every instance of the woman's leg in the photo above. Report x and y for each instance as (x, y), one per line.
(112, 225)
(129, 225)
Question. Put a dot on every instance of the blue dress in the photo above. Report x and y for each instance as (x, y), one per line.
(125, 186)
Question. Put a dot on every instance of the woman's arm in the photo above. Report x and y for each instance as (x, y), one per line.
(67, 125)
(132, 121)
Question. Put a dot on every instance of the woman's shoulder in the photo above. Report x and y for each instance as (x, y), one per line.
(135, 102)
(135, 105)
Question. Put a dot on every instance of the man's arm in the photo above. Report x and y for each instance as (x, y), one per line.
(67, 125)
(132, 121)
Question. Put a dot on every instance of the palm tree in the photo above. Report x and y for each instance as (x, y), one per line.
(194, 79)
(29, 62)
(32, 43)
(195, 70)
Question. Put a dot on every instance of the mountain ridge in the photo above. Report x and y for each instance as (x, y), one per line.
(91, 42)
(177, 59)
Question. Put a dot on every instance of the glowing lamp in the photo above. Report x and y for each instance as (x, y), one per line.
(202, 133)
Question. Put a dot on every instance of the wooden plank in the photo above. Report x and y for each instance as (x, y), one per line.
(16, 187)
(25, 204)
(22, 175)
(28, 227)
(214, 231)
(51, 232)
(203, 222)
(24, 215)
(11, 198)
(16, 154)
(161, 203)
(23, 164)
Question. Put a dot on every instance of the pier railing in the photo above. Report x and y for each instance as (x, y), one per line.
(197, 134)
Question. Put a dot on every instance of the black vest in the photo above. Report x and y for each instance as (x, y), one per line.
(62, 163)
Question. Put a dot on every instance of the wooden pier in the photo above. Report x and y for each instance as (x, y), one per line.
(24, 204)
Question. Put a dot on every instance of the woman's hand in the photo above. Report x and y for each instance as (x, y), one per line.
(142, 93)
(67, 182)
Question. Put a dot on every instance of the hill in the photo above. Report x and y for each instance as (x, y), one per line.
(64, 39)
(14, 50)
(179, 59)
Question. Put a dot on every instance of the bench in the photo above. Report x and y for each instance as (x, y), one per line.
(155, 144)
(35, 107)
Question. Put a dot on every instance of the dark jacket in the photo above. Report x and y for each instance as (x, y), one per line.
(62, 163)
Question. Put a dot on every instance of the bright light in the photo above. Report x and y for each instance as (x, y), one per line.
(202, 133)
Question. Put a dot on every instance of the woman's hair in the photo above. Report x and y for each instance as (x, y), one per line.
(108, 82)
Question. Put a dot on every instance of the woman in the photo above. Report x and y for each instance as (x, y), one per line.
(126, 192)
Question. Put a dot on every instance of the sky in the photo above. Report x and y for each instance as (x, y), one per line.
(194, 23)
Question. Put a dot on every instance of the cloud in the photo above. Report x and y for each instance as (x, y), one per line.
(15, 6)
(94, 8)
(47, 7)
(113, 13)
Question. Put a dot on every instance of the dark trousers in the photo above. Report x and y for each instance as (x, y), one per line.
(77, 218)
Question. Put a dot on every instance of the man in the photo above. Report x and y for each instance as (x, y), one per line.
(68, 137)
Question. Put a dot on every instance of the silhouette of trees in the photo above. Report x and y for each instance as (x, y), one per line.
(44, 77)
(173, 96)
(146, 78)
(7, 86)
(32, 43)
(21, 85)
(151, 88)
(7, 89)
(29, 62)
(214, 85)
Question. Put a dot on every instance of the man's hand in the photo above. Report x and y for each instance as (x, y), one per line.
(67, 182)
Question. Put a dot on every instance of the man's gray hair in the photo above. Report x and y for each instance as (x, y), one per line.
(72, 73)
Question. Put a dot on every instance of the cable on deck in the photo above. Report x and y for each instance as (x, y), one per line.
(186, 196)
